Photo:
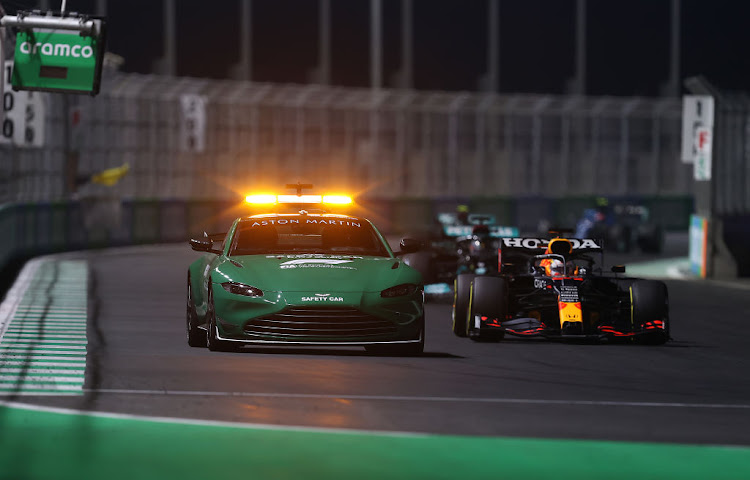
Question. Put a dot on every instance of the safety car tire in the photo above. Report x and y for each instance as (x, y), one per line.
(212, 341)
(195, 336)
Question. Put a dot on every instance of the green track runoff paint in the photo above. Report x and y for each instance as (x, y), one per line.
(45, 444)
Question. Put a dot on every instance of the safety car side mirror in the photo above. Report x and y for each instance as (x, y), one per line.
(202, 245)
(409, 245)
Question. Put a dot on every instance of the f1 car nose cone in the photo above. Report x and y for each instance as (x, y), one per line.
(572, 328)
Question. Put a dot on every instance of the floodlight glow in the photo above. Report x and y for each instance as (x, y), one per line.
(261, 199)
(337, 199)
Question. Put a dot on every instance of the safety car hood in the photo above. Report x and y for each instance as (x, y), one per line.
(318, 272)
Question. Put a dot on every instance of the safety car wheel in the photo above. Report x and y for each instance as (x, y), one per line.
(650, 302)
(195, 337)
(212, 342)
(489, 298)
(461, 295)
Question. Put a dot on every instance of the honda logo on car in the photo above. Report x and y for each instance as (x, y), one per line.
(322, 297)
(534, 243)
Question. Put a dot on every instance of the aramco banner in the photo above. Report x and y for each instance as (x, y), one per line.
(58, 61)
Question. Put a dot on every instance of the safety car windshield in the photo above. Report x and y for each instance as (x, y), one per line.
(309, 234)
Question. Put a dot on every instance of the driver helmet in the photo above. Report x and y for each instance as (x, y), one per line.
(556, 268)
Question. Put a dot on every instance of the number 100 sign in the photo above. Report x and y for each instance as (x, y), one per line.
(23, 115)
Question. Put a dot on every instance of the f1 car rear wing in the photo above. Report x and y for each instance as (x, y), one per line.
(514, 253)
(495, 231)
(447, 218)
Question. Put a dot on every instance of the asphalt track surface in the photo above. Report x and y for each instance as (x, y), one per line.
(692, 391)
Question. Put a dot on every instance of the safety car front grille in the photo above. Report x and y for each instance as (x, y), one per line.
(322, 322)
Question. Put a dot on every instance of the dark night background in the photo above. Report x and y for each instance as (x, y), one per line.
(627, 52)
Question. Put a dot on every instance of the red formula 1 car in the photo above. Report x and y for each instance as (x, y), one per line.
(554, 288)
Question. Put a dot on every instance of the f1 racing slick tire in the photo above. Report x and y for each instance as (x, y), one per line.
(195, 336)
(650, 310)
(489, 298)
(421, 262)
(212, 341)
(461, 296)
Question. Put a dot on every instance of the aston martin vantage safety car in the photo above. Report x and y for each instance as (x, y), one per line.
(553, 288)
(303, 278)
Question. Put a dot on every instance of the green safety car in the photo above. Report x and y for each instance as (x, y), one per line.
(303, 278)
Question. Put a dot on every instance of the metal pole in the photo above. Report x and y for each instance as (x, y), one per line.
(62, 7)
(101, 7)
(493, 48)
(407, 42)
(246, 52)
(376, 20)
(580, 80)
(376, 79)
(324, 43)
(674, 54)
(169, 38)
(2, 68)
(78, 25)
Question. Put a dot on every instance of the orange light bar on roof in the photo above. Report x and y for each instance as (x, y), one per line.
(268, 199)
(337, 199)
(263, 199)
(299, 198)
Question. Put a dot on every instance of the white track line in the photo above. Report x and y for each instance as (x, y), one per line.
(5, 379)
(36, 350)
(11, 389)
(27, 336)
(33, 370)
(523, 401)
(47, 358)
(49, 346)
(205, 423)
(32, 364)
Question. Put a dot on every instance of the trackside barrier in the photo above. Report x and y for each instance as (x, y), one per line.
(723, 198)
(188, 138)
(31, 229)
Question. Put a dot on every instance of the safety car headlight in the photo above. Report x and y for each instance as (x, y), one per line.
(399, 290)
(242, 289)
